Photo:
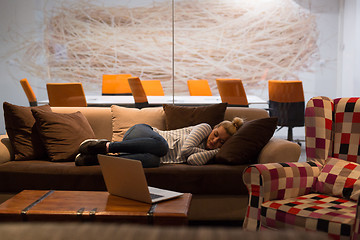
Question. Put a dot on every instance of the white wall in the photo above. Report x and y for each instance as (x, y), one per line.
(329, 78)
(20, 16)
(349, 52)
(323, 79)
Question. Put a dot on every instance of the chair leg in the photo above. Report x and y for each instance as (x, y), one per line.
(141, 105)
(33, 104)
(290, 134)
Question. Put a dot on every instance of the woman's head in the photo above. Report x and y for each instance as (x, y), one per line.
(222, 132)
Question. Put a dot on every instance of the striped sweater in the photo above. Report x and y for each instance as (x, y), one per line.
(187, 145)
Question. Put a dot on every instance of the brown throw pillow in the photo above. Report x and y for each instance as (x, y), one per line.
(181, 116)
(24, 138)
(245, 145)
(62, 133)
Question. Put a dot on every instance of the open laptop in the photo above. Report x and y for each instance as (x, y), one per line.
(126, 178)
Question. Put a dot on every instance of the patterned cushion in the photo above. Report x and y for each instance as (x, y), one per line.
(315, 212)
(347, 129)
(339, 178)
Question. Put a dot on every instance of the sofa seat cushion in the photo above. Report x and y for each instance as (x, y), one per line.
(205, 179)
(208, 179)
(314, 212)
(16, 176)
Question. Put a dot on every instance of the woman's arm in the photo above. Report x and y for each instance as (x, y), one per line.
(191, 150)
(201, 158)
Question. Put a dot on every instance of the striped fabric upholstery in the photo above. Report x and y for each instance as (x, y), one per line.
(187, 145)
(322, 193)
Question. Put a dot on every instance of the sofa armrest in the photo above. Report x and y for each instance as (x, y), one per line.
(276, 181)
(279, 150)
(6, 151)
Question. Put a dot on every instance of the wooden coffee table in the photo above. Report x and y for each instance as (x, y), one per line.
(43, 205)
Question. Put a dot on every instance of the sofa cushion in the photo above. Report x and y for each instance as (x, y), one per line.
(339, 178)
(184, 116)
(207, 179)
(24, 138)
(245, 145)
(310, 212)
(123, 118)
(62, 133)
(16, 176)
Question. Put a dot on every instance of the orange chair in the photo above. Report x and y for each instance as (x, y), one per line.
(29, 92)
(152, 87)
(287, 103)
(138, 92)
(199, 87)
(116, 84)
(66, 95)
(232, 91)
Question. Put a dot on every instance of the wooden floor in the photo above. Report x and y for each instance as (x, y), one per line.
(237, 224)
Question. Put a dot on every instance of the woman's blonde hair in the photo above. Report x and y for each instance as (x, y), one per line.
(231, 126)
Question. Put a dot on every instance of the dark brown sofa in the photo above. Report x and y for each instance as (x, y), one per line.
(218, 190)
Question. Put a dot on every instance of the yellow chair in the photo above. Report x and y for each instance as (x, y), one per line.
(29, 92)
(138, 92)
(199, 87)
(116, 84)
(287, 103)
(232, 91)
(66, 95)
(152, 87)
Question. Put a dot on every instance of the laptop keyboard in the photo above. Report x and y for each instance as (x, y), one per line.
(155, 196)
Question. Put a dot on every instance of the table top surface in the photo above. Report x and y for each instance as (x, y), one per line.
(128, 100)
(69, 202)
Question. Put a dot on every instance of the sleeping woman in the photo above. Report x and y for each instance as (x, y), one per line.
(194, 145)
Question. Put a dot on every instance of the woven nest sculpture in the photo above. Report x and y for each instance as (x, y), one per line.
(212, 39)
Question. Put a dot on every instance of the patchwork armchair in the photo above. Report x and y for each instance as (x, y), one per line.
(322, 193)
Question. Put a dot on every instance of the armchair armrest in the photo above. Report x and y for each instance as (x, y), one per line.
(279, 150)
(6, 151)
(276, 181)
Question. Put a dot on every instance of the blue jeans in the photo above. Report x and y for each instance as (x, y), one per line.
(140, 142)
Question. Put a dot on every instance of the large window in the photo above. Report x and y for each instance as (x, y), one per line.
(170, 40)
